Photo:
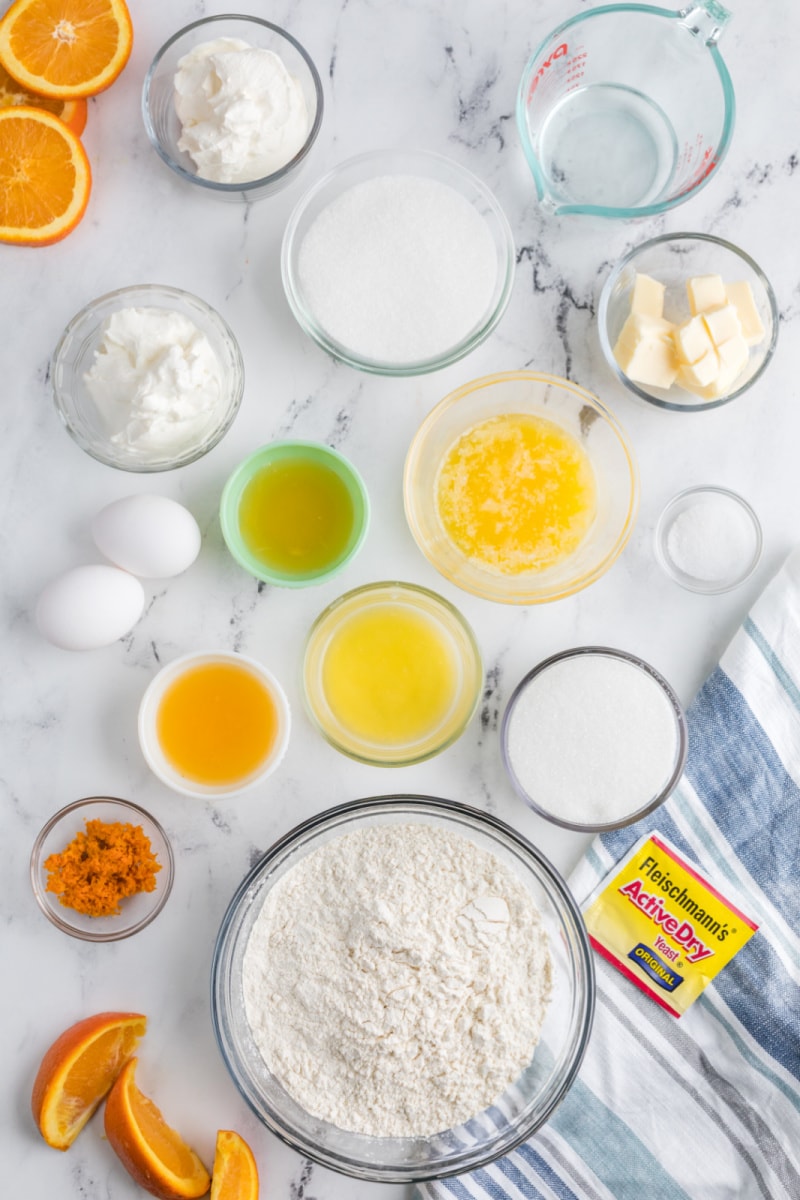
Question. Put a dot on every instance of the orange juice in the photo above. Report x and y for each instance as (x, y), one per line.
(217, 723)
(516, 493)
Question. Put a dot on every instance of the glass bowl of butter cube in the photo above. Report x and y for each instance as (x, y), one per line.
(687, 321)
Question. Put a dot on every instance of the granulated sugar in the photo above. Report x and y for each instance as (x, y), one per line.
(398, 269)
(592, 739)
(396, 980)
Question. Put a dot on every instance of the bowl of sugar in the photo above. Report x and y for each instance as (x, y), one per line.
(593, 739)
(398, 262)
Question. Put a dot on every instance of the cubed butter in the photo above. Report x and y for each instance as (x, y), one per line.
(704, 292)
(647, 297)
(704, 371)
(733, 358)
(645, 351)
(722, 324)
(686, 380)
(692, 340)
(740, 295)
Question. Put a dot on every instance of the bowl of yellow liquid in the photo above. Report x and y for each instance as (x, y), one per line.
(392, 674)
(294, 513)
(213, 724)
(521, 487)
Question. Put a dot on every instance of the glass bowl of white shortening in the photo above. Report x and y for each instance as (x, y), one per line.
(236, 127)
(185, 368)
(523, 1106)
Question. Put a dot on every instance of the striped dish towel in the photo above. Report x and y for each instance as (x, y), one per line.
(706, 1107)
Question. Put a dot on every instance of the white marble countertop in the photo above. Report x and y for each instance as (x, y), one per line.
(437, 76)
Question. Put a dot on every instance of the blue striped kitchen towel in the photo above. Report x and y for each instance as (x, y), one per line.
(706, 1107)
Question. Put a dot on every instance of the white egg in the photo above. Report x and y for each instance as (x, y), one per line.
(89, 607)
(150, 536)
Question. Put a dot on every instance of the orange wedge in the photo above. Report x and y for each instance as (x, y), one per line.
(235, 1174)
(71, 112)
(66, 48)
(155, 1156)
(45, 178)
(78, 1070)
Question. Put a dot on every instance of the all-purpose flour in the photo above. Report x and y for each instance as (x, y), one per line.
(396, 980)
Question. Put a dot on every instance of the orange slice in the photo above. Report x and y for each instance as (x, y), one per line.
(71, 112)
(155, 1156)
(235, 1174)
(78, 1070)
(45, 178)
(66, 48)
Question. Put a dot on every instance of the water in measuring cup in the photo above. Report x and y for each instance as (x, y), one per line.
(607, 145)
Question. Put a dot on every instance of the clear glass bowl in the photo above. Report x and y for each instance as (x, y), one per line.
(672, 259)
(161, 120)
(740, 511)
(579, 413)
(398, 162)
(286, 452)
(136, 911)
(522, 1109)
(456, 634)
(650, 803)
(150, 745)
(74, 355)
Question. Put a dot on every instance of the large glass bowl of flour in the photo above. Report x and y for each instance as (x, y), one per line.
(545, 1076)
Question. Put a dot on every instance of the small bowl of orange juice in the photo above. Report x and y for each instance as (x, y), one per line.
(213, 724)
(521, 487)
(294, 513)
(392, 674)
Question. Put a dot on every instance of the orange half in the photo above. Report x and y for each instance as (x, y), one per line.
(13, 94)
(235, 1174)
(78, 1070)
(45, 178)
(66, 48)
(155, 1156)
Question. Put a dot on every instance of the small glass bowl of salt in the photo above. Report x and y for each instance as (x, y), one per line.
(708, 539)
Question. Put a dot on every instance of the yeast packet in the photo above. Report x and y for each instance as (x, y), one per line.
(663, 925)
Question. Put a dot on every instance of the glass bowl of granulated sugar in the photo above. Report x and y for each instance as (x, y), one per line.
(403, 989)
(398, 262)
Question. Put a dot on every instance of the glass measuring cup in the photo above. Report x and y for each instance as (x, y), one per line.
(627, 110)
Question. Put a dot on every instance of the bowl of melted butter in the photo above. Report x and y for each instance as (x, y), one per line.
(521, 488)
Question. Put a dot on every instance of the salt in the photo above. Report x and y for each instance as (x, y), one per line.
(592, 739)
(398, 269)
(712, 540)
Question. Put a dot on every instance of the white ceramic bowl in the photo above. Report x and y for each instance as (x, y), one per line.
(148, 725)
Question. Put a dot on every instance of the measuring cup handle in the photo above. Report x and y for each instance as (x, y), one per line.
(706, 20)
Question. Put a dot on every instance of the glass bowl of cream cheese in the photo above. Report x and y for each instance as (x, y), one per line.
(147, 378)
(233, 105)
(402, 988)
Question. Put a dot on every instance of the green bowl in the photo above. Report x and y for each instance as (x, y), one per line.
(283, 452)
